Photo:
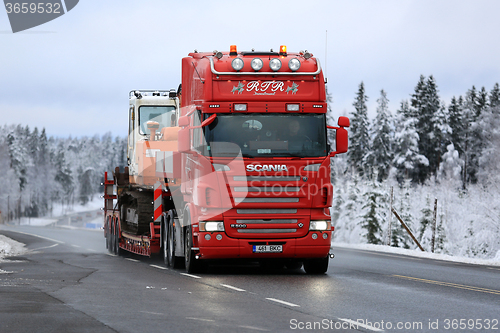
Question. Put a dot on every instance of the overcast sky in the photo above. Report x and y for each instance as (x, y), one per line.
(72, 75)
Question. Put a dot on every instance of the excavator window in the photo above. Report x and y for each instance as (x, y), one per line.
(160, 114)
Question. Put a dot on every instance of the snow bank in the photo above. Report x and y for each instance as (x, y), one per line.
(420, 254)
(9, 247)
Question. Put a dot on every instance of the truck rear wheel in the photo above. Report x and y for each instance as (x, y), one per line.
(316, 266)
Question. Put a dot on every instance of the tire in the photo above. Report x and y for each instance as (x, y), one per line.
(316, 266)
(192, 264)
(117, 250)
(165, 242)
(111, 237)
(172, 260)
(106, 232)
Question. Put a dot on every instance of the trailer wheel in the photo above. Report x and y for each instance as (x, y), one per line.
(106, 232)
(111, 238)
(316, 266)
(193, 265)
(116, 237)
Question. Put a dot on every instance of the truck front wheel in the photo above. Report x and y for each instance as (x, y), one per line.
(193, 265)
(316, 266)
(172, 260)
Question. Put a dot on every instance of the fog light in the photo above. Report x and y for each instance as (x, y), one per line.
(218, 237)
(208, 237)
(314, 236)
(294, 64)
(257, 64)
(325, 236)
(237, 64)
(275, 64)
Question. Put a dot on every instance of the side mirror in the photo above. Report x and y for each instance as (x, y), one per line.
(343, 122)
(341, 137)
(184, 121)
(341, 140)
(183, 140)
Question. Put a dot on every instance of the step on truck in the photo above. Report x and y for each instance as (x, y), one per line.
(235, 164)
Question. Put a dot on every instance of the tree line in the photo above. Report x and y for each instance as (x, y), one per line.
(426, 146)
(39, 172)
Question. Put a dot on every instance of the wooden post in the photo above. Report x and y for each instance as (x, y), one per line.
(408, 230)
(433, 240)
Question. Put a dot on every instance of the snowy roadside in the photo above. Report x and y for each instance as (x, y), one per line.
(9, 247)
(60, 212)
(417, 253)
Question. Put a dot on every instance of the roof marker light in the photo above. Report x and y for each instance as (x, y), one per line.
(232, 50)
(283, 50)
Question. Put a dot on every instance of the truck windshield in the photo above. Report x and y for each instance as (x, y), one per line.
(267, 135)
(160, 114)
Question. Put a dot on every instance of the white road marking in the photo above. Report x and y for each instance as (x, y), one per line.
(111, 255)
(231, 287)
(45, 247)
(358, 324)
(153, 313)
(160, 267)
(130, 259)
(190, 275)
(282, 302)
(75, 246)
(200, 319)
(254, 328)
(46, 238)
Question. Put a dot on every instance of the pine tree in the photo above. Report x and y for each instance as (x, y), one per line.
(426, 104)
(494, 98)
(407, 159)
(380, 153)
(400, 237)
(359, 136)
(456, 123)
(371, 218)
(425, 223)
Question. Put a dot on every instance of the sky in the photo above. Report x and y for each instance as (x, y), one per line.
(72, 75)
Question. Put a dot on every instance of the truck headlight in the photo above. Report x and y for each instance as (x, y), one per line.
(320, 225)
(211, 226)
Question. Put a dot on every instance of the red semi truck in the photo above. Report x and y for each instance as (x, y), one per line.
(234, 166)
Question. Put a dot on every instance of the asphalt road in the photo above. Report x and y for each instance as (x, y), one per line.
(69, 283)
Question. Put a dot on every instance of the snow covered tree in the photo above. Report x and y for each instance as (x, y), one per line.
(380, 154)
(407, 159)
(371, 217)
(494, 98)
(426, 105)
(425, 230)
(451, 165)
(457, 124)
(359, 137)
